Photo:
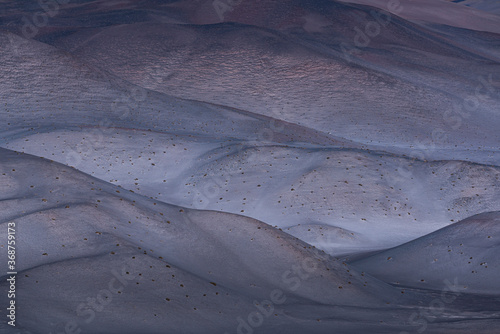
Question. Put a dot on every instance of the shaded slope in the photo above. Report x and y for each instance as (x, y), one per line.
(439, 12)
(466, 251)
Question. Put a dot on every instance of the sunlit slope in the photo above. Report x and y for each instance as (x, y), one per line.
(383, 199)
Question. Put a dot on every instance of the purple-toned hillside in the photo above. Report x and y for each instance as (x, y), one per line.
(244, 166)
